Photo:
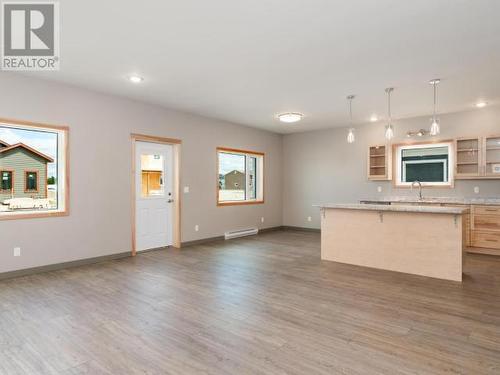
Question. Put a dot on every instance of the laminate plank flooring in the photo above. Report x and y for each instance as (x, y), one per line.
(264, 304)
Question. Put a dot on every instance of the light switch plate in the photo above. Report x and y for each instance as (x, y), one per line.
(379, 189)
(309, 218)
(17, 251)
(186, 189)
(476, 189)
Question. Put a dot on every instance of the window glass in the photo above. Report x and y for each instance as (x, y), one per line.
(232, 177)
(239, 176)
(32, 168)
(6, 180)
(252, 177)
(152, 169)
(31, 181)
(426, 163)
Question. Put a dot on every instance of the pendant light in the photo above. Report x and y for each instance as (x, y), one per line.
(389, 129)
(435, 121)
(350, 135)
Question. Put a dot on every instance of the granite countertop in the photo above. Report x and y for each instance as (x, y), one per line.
(436, 200)
(398, 208)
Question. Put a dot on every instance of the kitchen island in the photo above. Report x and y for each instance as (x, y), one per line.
(420, 240)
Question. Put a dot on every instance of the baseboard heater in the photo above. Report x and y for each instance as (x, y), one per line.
(240, 233)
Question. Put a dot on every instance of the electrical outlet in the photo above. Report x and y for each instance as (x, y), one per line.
(309, 218)
(379, 189)
(476, 189)
(262, 219)
(196, 228)
(186, 189)
(17, 251)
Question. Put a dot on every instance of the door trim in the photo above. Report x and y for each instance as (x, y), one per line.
(176, 212)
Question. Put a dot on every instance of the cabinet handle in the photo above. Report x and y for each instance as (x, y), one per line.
(489, 240)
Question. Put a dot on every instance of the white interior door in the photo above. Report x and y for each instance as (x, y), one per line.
(154, 195)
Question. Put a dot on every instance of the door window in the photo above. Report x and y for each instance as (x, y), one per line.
(152, 179)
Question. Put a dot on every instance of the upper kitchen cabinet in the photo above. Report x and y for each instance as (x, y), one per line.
(477, 158)
(491, 165)
(379, 163)
(468, 157)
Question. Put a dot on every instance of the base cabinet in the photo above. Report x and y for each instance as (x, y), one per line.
(485, 230)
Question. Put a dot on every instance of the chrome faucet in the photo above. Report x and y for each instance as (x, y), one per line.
(419, 189)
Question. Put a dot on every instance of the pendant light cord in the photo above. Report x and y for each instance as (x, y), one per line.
(389, 105)
(350, 111)
(350, 98)
(435, 100)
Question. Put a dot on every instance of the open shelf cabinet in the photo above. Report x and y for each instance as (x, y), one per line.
(379, 163)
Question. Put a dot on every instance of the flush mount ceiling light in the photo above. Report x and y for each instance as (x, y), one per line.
(435, 129)
(290, 117)
(481, 104)
(134, 78)
(350, 134)
(389, 129)
(373, 118)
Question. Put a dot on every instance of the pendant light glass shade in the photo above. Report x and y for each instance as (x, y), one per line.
(350, 134)
(389, 132)
(435, 129)
(389, 129)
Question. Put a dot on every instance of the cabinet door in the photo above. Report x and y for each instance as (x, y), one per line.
(468, 157)
(491, 156)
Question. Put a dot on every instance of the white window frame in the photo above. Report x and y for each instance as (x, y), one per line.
(399, 176)
(259, 198)
(62, 170)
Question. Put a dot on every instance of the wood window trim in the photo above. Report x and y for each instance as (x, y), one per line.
(12, 184)
(65, 183)
(395, 147)
(237, 151)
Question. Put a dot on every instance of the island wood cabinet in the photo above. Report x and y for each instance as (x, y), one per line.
(481, 226)
(477, 158)
(379, 163)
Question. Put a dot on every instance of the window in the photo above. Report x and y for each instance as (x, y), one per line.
(239, 177)
(152, 167)
(33, 170)
(31, 182)
(428, 163)
(6, 181)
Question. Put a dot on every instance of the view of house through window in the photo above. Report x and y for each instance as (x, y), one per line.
(152, 176)
(239, 176)
(32, 169)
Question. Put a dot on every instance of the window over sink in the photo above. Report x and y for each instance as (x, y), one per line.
(431, 164)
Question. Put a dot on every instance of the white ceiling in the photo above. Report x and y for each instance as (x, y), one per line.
(246, 61)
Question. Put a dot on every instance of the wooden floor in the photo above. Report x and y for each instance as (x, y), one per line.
(259, 305)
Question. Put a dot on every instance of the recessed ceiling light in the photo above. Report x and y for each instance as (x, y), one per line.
(481, 104)
(374, 118)
(290, 117)
(134, 78)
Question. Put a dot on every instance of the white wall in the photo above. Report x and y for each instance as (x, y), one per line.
(321, 167)
(100, 127)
